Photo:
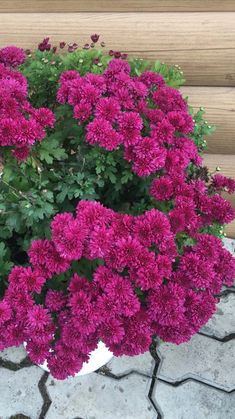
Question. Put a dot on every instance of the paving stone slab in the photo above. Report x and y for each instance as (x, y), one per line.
(100, 397)
(203, 358)
(222, 323)
(229, 244)
(144, 364)
(19, 392)
(192, 400)
(14, 354)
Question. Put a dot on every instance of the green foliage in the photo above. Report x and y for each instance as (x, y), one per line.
(4, 260)
(172, 74)
(215, 229)
(201, 128)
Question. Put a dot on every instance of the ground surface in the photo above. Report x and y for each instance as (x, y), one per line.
(195, 380)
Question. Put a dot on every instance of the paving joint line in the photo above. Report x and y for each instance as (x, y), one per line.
(108, 372)
(155, 356)
(45, 396)
(226, 292)
(12, 366)
(226, 338)
(180, 382)
(105, 371)
(150, 393)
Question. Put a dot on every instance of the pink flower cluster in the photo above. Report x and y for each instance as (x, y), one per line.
(12, 56)
(151, 122)
(196, 203)
(20, 124)
(147, 118)
(140, 287)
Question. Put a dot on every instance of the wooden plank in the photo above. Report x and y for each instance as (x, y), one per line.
(117, 6)
(219, 104)
(225, 162)
(227, 165)
(230, 230)
(203, 44)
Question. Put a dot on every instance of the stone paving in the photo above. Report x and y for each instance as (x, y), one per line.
(195, 380)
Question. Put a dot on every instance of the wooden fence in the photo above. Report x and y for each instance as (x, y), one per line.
(198, 35)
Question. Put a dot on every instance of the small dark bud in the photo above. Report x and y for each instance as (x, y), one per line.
(62, 44)
(44, 45)
(117, 54)
(124, 56)
(95, 38)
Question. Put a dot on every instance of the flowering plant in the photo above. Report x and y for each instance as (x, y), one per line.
(140, 258)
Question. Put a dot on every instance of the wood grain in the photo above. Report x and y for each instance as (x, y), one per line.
(225, 162)
(203, 44)
(219, 104)
(230, 230)
(118, 6)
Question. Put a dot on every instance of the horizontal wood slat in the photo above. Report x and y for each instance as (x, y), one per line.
(225, 162)
(118, 6)
(219, 104)
(230, 230)
(203, 44)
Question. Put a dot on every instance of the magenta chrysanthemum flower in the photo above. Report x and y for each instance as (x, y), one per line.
(12, 56)
(38, 318)
(223, 183)
(162, 188)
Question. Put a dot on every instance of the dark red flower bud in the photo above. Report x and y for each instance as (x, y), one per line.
(75, 46)
(86, 46)
(44, 46)
(102, 44)
(62, 44)
(96, 60)
(54, 49)
(111, 52)
(95, 38)
(70, 48)
(117, 54)
(124, 56)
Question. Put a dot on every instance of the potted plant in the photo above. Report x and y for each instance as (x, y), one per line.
(142, 254)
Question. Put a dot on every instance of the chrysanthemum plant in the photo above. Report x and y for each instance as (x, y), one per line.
(103, 181)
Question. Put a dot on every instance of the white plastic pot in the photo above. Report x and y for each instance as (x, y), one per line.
(99, 357)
